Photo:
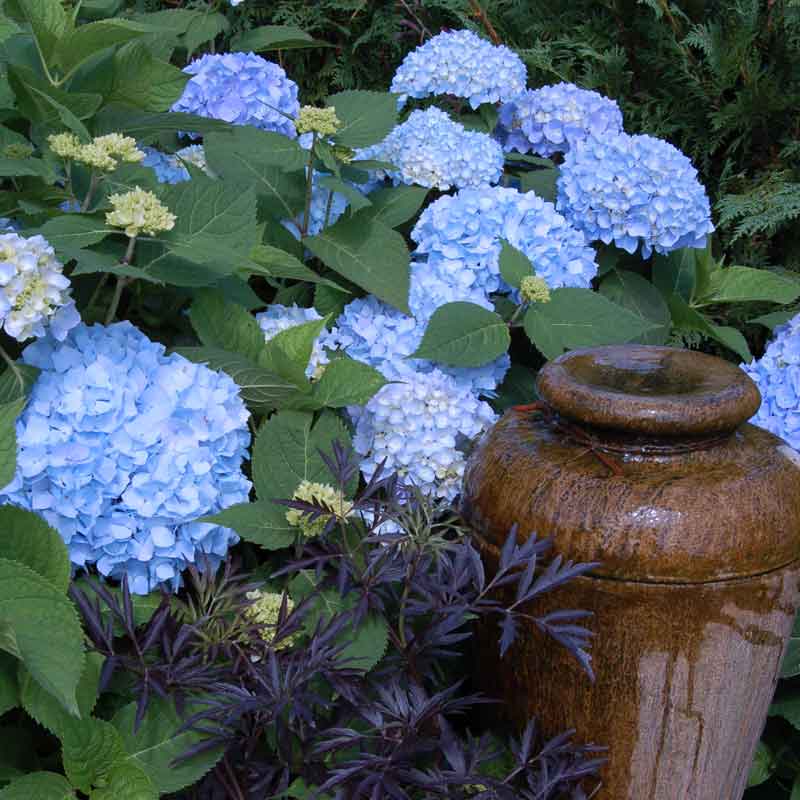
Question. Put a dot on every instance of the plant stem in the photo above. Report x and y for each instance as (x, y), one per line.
(96, 293)
(515, 316)
(89, 192)
(13, 367)
(485, 21)
(309, 186)
(122, 282)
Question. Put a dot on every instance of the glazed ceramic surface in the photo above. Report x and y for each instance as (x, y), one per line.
(643, 462)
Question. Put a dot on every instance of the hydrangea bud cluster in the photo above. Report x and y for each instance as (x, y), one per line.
(461, 64)
(533, 289)
(419, 427)
(35, 296)
(139, 211)
(461, 236)
(264, 611)
(122, 448)
(103, 152)
(432, 150)
(319, 494)
(777, 375)
(322, 121)
(632, 191)
(243, 89)
(279, 318)
(550, 119)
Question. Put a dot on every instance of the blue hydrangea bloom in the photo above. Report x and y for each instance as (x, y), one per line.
(777, 375)
(420, 426)
(167, 168)
(383, 337)
(68, 206)
(432, 150)
(461, 236)
(461, 64)
(243, 89)
(10, 225)
(548, 120)
(634, 190)
(279, 318)
(319, 212)
(121, 448)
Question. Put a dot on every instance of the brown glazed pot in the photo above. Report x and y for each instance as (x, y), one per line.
(696, 523)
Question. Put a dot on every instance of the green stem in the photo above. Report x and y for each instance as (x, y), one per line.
(89, 192)
(122, 282)
(517, 313)
(328, 209)
(13, 367)
(309, 186)
(96, 293)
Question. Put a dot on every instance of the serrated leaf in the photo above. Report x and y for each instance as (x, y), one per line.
(27, 167)
(226, 326)
(540, 181)
(203, 28)
(773, 319)
(356, 199)
(86, 40)
(463, 335)
(286, 452)
(17, 383)
(745, 284)
(90, 749)
(288, 353)
(9, 412)
(29, 604)
(274, 37)
(157, 742)
(393, 206)
(9, 686)
(140, 79)
(346, 382)
(48, 21)
(38, 786)
(638, 295)
(125, 781)
(580, 318)
(263, 523)
(514, 264)
(676, 272)
(368, 253)
(686, 318)
(145, 127)
(43, 707)
(366, 117)
(272, 262)
(25, 537)
(258, 387)
(70, 231)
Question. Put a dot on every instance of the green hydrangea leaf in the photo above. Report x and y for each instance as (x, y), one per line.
(90, 749)
(38, 786)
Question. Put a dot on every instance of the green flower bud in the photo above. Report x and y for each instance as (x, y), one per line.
(534, 289)
(318, 120)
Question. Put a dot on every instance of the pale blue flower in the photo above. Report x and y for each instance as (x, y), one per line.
(634, 190)
(167, 168)
(326, 207)
(279, 318)
(462, 234)
(421, 427)
(461, 64)
(777, 375)
(243, 89)
(122, 448)
(548, 120)
(430, 149)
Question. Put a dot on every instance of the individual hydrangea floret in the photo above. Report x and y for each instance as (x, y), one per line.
(122, 448)
(139, 211)
(420, 427)
(279, 318)
(549, 120)
(462, 237)
(533, 289)
(318, 494)
(264, 611)
(461, 64)
(430, 149)
(777, 375)
(35, 296)
(243, 89)
(632, 191)
(322, 121)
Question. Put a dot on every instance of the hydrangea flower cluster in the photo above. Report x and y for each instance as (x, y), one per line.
(139, 211)
(102, 153)
(418, 427)
(461, 236)
(550, 119)
(432, 150)
(279, 318)
(121, 448)
(777, 375)
(243, 89)
(634, 190)
(171, 168)
(35, 296)
(461, 64)
(264, 611)
(322, 121)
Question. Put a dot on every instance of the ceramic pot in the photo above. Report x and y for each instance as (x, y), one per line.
(643, 460)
